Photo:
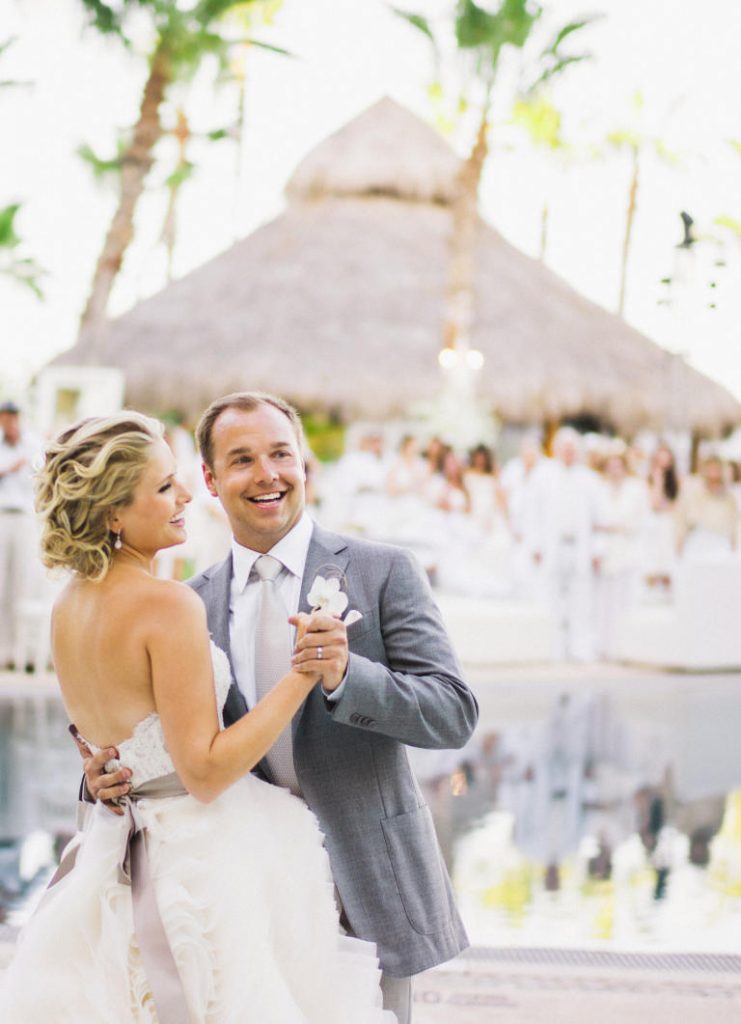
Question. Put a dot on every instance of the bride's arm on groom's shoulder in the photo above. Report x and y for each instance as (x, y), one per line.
(416, 694)
(209, 760)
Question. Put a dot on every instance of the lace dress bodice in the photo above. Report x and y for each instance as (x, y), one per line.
(145, 751)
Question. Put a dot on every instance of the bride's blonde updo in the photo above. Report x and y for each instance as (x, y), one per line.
(90, 470)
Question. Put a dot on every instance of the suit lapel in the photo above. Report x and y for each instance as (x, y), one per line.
(217, 604)
(325, 549)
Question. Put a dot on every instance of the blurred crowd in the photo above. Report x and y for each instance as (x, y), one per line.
(585, 530)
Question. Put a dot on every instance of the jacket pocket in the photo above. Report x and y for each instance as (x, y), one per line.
(418, 869)
(365, 625)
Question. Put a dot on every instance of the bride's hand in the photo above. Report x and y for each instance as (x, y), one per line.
(309, 668)
(321, 647)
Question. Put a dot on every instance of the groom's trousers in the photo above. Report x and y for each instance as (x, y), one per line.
(397, 997)
(397, 992)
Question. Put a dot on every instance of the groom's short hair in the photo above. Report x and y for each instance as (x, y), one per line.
(247, 401)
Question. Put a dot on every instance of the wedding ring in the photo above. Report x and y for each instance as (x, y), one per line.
(320, 653)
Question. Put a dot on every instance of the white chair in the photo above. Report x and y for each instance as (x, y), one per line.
(494, 632)
(700, 629)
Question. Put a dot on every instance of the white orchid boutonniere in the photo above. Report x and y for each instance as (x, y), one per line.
(325, 595)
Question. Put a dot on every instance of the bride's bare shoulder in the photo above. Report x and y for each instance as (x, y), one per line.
(136, 596)
(173, 603)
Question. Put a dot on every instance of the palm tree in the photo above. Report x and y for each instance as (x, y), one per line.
(247, 21)
(482, 36)
(184, 35)
(635, 141)
(542, 122)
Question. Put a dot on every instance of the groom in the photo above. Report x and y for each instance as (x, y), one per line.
(389, 680)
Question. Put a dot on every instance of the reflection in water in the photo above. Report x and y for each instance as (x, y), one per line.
(570, 830)
(39, 775)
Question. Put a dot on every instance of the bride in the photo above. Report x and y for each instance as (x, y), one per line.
(208, 898)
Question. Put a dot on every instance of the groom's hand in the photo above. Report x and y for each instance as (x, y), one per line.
(102, 785)
(323, 649)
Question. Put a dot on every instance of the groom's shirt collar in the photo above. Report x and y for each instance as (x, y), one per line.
(292, 550)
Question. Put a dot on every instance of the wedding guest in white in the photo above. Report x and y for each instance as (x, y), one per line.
(451, 493)
(517, 482)
(408, 474)
(659, 554)
(706, 515)
(20, 567)
(434, 454)
(411, 517)
(488, 497)
(624, 511)
(354, 492)
(364, 469)
(565, 546)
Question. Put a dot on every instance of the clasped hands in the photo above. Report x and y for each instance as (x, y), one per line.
(321, 647)
(321, 650)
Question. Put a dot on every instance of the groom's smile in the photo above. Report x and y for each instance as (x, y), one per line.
(257, 474)
(268, 499)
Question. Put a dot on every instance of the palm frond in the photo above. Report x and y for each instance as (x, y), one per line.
(102, 167)
(180, 176)
(22, 269)
(731, 223)
(557, 67)
(105, 18)
(417, 21)
(261, 45)
(9, 238)
(569, 29)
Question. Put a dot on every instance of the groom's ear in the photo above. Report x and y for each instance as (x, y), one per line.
(209, 479)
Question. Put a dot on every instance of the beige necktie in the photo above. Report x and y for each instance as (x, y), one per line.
(273, 661)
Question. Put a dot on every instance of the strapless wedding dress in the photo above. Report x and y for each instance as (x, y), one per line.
(244, 892)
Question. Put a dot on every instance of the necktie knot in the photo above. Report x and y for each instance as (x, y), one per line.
(268, 568)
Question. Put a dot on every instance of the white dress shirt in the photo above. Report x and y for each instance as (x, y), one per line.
(291, 551)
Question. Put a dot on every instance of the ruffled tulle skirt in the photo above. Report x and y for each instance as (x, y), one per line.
(246, 897)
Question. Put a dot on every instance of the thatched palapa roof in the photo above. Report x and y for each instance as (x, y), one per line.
(338, 303)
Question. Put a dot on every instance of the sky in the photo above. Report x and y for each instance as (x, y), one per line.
(682, 56)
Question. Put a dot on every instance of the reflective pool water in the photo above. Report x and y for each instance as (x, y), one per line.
(595, 806)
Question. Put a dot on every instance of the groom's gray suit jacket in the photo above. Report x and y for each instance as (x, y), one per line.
(403, 686)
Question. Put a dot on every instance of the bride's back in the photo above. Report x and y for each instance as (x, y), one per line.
(99, 643)
(109, 500)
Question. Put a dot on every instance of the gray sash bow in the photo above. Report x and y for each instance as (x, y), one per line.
(134, 870)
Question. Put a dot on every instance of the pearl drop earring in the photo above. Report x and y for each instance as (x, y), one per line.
(118, 543)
